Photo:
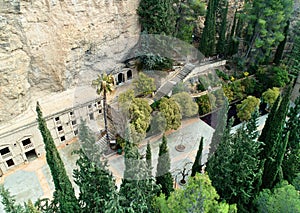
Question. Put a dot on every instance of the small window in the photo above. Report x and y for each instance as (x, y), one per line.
(99, 102)
(76, 132)
(90, 106)
(100, 111)
(71, 113)
(59, 128)
(56, 119)
(74, 122)
(4, 151)
(62, 138)
(91, 115)
(26, 142)
(10, 162)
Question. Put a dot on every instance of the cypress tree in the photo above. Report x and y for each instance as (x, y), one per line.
(163, 175)
(197, 166)
(273, 143)
(291, 161)
(64, 194)
(251, 126)
(280, 48)
(149, 159)
(222, 31)
(137, 189)
(218, 133)
(95, 182)
(234, 168)
(208, 37)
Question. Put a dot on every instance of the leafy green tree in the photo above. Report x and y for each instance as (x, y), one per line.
(206, 103)
(179, 87)
(157, 17)
(219, 131)
(234, 168)
(140, 117)
(163, 175)
(188, 12)
(158, 123)
(9, 202)
(64, 194)
(208, 37)
(197, 166)
(270, 96)
(188, 107)
(92, 176)
(104, 84)
(283, 198)
(247, 107)
(291, 161)
(171, 112)
(198, 196)
(271, 76)
(265, 28)
(144, 85)
(125, 98)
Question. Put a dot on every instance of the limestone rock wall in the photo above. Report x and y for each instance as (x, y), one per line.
(52, 45)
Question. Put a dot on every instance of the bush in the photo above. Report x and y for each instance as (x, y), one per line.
(222, 75)
(272, 76)
(206, 103)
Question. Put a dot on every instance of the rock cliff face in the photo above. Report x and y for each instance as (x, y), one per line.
(52, 45)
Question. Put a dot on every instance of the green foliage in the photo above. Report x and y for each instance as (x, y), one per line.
(222, 75)
(197, 166)
(92, 176)
(171, 112)
(291, 162)
(265, 28)
(64, 194)
(198, 196)
(274, 145)
(188, 12)
(179, 87)
(140, 117)
(144, 85)
(234, 167)
(125, 98)
(208, 37)
(138, 189)
(158, 123)
(272, 76)
(219, 131)
(188, 107)
(163, 175)
(206, 103)
(270, 96)
(9, 202)
(220, 49)
(152, 61)
(157, 17)
(250, 85)
(283, 198)
(294, 56)
(247, 107)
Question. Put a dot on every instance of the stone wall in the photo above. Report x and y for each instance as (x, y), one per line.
(52, 45)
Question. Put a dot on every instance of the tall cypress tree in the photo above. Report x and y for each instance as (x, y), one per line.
(222, 30)
(274, 143)
(64, 194)
(149, 159)
(95, 182)
(197, 166)
(291, 162)
(280, 48)
(219, 131)
(208, 37)
(137, 189)
(163, 175)
(234, 168)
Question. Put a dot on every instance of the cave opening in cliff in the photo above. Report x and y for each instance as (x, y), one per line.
(129, 74)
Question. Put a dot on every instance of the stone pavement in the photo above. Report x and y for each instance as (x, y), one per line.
(33, 180)
(188, 134)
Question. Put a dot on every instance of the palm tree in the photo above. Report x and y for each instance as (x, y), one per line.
(104, 84)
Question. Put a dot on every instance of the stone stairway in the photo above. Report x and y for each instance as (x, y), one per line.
(103, 143)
